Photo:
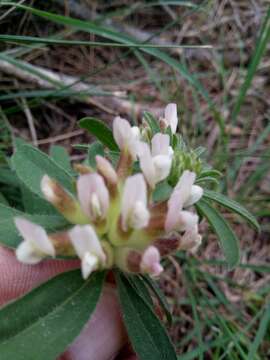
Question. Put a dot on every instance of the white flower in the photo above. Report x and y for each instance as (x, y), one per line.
(88, 248)
(170, 117)
(134, 212)
(150, 262)
(93, 196)
(156, 163)
(126, 137)
(36, 245)
(183, 195)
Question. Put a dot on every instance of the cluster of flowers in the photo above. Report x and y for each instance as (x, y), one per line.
(115, 220)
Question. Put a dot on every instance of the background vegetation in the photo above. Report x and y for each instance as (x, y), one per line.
(63, 60)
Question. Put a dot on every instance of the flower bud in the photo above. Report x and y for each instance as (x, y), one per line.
(184, 160)
(63, 201)
(105, 169)
(170, 118)
(82, 169)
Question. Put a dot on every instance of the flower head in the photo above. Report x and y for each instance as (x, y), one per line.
(36, 245)
(134, 212)
(88, 248)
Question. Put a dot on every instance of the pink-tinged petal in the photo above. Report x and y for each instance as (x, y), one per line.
(106, 169)
(134, 197)
(147, 164)
(180, 220)
(93, 196)
(121, 131)
(150, 262)
(186, 220)
(162, 164)
(178, 198)
(171, 116)
(196, 194)
(85, 240)
(160, 144)
(35, 235)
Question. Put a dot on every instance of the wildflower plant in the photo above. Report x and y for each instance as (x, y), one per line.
(140, 195)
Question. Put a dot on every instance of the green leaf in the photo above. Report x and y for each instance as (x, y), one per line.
(3, 199)
(8, 177)
(206, 179)
(101, 131)
(212, 172)
(148, 336)
(44, 322)
(162, 191)
(33, 203)
(228, 240)
(152, 122)
(8, 232)
(140, 288)
(159, 295)
(256, 57)
(232, 205)
(31, 164)
(94, 149)
(60, 155)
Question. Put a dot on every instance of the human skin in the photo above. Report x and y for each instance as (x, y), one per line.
(103, 337)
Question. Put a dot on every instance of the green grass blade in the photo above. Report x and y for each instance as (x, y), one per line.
(39, 40)
(263, 328)
(262, 43)
(104, 32)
